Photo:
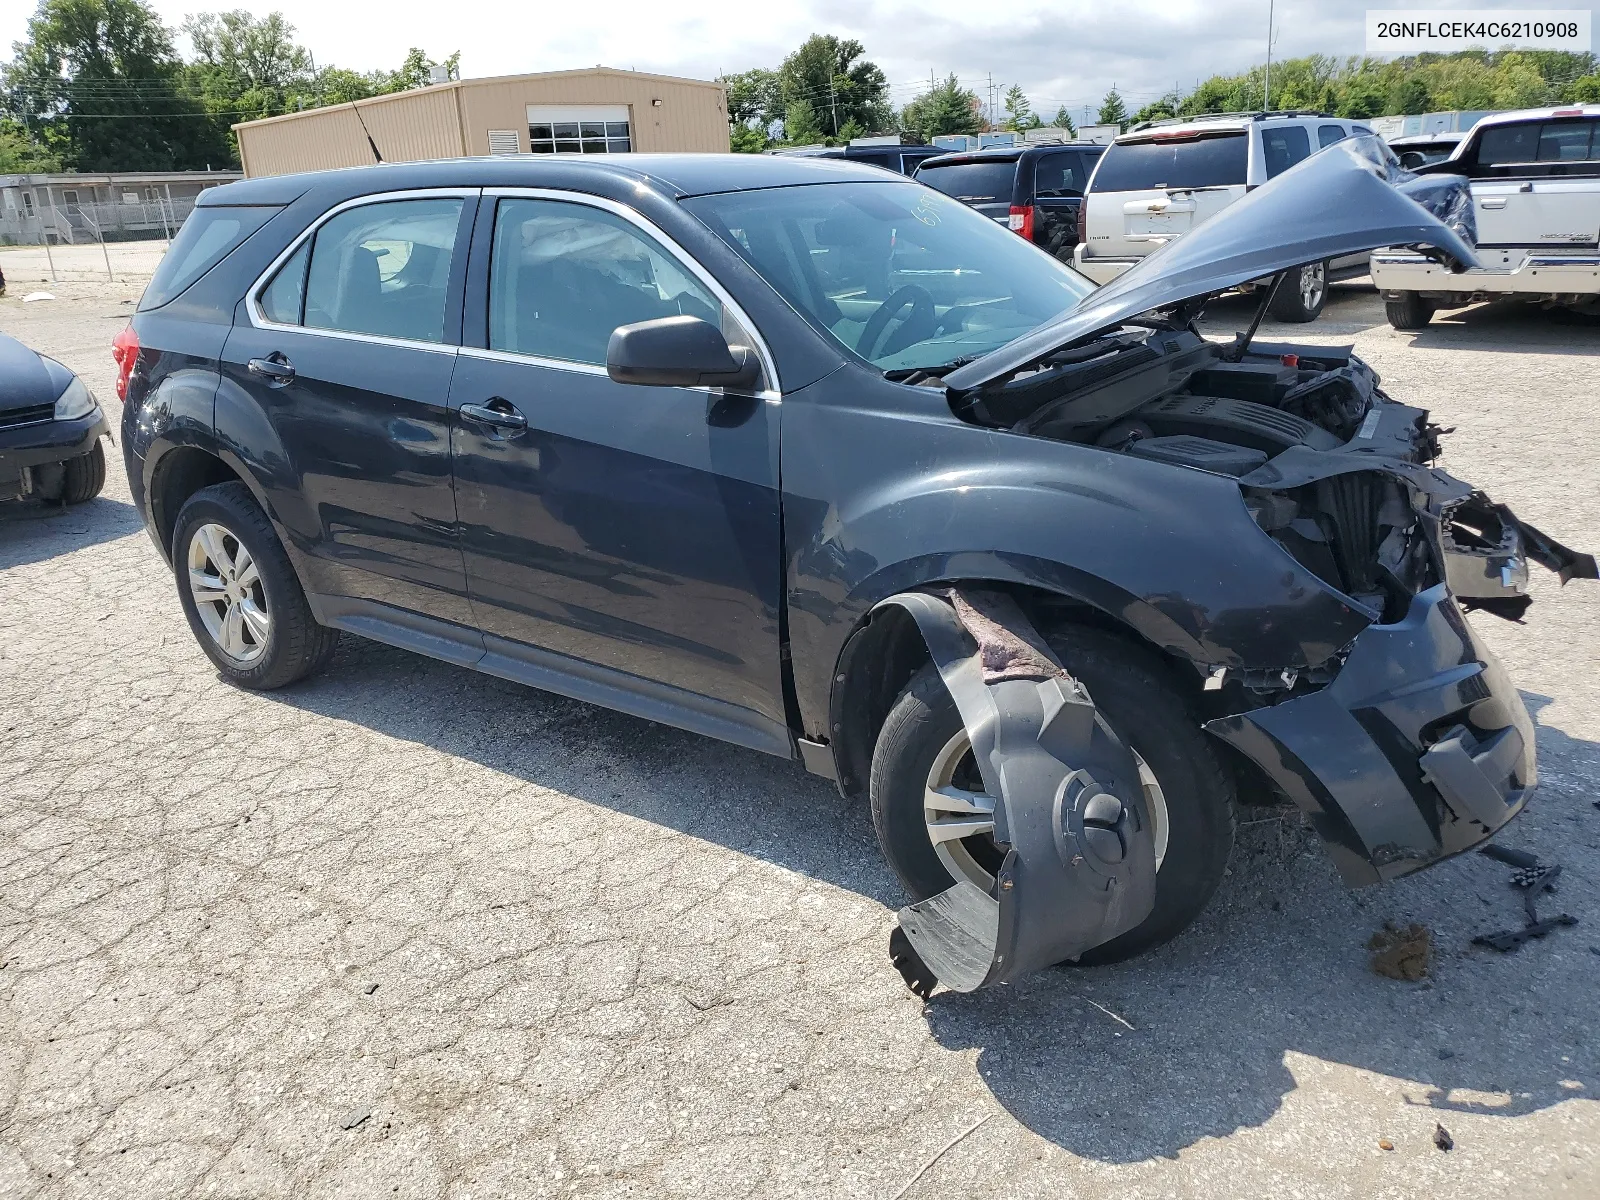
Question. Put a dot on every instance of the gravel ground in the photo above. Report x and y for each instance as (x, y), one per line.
(405, 930)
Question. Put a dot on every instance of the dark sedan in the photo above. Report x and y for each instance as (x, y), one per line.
(802, 456)
(50, 430)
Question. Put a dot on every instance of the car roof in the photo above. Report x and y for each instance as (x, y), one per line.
(1443, 136)
(1004, 153)
(1225, 122)
(672, 175)
(1538, 114)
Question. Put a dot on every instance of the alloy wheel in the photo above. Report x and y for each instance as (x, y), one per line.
(959, 814)
(225, 583)
(1313, 285)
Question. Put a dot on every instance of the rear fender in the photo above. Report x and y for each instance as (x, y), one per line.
(1080, 866)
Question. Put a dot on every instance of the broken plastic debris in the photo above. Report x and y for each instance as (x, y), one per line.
(32, 296)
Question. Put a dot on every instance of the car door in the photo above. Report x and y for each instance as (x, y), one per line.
(346, 352)
(628, 535)
(1059, 179)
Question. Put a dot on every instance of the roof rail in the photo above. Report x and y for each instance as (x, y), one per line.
(1257, 115)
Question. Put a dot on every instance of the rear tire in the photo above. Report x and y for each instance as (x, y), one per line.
(1133, 691)
(84, 476)
(224, 546)
(1302, 294)
(1409, 312)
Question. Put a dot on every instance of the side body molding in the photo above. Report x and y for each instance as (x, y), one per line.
(1080, 857)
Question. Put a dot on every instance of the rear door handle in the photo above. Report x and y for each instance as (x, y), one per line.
(498, 414)
(276, 369)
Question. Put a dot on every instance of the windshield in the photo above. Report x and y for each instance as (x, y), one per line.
(1212, 160)
(898, 273)
(973, 182)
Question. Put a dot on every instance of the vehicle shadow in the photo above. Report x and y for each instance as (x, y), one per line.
(1512, 325)
(32, 531)
(1198, 1039)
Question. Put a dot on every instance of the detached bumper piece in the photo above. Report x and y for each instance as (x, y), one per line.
(1420, 748)
(1079, 866)
(1486, 553)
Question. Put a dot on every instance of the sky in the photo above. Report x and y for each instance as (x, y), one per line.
(1061, 54)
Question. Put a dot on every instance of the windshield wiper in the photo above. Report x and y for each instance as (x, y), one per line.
(919, 374)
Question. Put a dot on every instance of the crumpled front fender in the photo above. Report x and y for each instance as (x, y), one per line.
(1079, 866)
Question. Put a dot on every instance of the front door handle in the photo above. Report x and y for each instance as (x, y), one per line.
(276, 369)
(498, 414)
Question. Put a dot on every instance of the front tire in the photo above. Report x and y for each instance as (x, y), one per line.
(1409, 312)
(1133, 691)
(1302, 294)
(240, 594)
(83, 477)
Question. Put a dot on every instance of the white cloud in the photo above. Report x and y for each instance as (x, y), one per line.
(1060, 54)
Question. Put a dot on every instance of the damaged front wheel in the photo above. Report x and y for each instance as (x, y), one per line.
(935, 822)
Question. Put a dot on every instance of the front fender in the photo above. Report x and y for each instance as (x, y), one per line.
(883, 497)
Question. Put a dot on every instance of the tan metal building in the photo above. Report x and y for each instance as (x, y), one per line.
(599, 110)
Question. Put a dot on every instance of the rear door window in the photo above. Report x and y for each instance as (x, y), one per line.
(972, 182)
(384, 269)
(1327, 135)
(207, 237)
(1561, 147)
(1203, 160)
(1061, 174)
(1283, 147)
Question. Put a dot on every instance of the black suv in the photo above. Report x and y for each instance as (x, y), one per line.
(901, 158)
(1035, 191)
(819, 461)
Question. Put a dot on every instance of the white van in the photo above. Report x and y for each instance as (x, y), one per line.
(1162, 178)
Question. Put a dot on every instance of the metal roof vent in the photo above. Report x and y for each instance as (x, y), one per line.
(503, 141)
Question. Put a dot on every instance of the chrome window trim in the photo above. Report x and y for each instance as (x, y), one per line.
(686, 260)
(259, 320)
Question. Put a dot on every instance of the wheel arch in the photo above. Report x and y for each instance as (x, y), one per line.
(182, 469)
(886, 648)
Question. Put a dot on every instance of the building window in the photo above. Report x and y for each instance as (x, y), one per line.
(601, 129)
(27, 203)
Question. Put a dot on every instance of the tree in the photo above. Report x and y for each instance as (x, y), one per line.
(1413, 97)
(755, 105)
(259, 53)
(947, 108)
(19, 155)
(97, 83)
(1112, 110)
(1585, 90)
(841, 86)
(1019, 112)
(1064, 121)
(1157, 110)
(417, 71)
(800, 124)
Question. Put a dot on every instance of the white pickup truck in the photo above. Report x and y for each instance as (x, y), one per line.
(1536, 197)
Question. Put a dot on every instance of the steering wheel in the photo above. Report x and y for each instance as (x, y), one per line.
(920, 303)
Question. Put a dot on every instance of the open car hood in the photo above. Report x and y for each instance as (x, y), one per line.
(1353, 196)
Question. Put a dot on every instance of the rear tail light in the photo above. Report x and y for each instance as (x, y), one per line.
(125, 350)
(1080, 233)
(1021, 220)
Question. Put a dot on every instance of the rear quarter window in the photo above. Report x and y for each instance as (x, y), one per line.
(1560, 147)
(1206, 160)
(974, 183)
(207, 237)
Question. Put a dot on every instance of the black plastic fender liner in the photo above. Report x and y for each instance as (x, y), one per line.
(1070, 813)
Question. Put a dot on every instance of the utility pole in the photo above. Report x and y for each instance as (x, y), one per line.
(1266, 82)
(833, 104)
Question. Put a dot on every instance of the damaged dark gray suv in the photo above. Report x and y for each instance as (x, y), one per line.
(823, 463)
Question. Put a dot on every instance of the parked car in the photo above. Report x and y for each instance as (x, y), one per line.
(1424, 149)
(1035, 191)
(50, 430)
(1164, 178)
(902, 159)
(1535, 180)
(1041, 572)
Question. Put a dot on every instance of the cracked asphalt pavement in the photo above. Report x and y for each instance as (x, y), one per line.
(408, 931)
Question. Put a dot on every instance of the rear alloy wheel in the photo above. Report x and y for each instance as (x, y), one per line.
(1301, 295)
(240, 593)
(1409, 312)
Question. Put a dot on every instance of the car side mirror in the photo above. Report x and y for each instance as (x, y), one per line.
(679, 351)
